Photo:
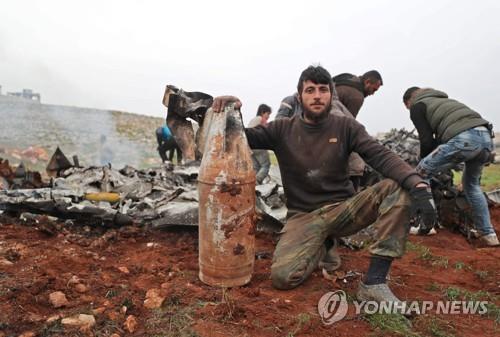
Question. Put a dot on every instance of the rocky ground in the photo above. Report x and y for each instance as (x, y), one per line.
(63, 280)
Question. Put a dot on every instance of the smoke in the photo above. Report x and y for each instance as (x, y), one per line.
(88, 133)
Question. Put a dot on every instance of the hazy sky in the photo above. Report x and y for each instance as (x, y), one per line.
(121, 54)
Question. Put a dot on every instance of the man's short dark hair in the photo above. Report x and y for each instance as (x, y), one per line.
(408, 93)
(317, 75)
(372, 76)
(262, 109)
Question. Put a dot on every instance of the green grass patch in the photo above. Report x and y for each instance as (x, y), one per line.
(424, 253)
(459, 265)
(459, 294)
(127, 302)
(436, 327)
(106, 328)
(171, 320)
(440, 261)
(272, 157)
(392, 323)
(300, 321)
(433, 287)
(482, 274)
(112, 293)
(351, 297)
(52, 329)
(490, 179)
(452, 293)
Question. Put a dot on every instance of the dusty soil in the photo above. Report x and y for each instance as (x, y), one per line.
(107, 273)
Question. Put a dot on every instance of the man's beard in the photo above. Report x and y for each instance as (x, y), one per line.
(317, 117)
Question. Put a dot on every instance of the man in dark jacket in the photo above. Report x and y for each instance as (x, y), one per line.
(291, 106)
(451, 133)
(352, 89)
(312, 150)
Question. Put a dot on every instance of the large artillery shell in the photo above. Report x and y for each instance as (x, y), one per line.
(227, 204)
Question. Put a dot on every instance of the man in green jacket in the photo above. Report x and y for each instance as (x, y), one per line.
(451, 133)
(312, 149)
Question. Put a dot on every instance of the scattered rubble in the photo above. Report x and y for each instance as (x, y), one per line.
(81, 320)
(153, 299)
(4, 262)
(53, 318)
(18, 178)
(28, 334)
(405, 143)
(98, 311)
(130, 323)
(58, 299)
(494, 195)
(81, 288)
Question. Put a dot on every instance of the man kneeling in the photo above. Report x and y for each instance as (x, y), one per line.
(312, 150)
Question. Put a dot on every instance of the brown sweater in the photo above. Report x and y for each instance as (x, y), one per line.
(313, 159)
(351, 97)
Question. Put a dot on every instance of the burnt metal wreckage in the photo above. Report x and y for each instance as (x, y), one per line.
(167, 195)
(158, 197)
(18, 178)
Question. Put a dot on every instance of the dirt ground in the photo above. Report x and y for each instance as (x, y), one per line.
(110, 273)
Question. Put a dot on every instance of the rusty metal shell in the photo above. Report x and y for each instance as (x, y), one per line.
(226, 186)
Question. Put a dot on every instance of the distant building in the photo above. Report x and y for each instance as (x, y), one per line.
(27, 94)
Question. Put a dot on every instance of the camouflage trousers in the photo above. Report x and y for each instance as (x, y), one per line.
(301, 245)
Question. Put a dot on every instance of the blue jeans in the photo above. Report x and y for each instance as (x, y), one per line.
(261, 164)
(465, 147)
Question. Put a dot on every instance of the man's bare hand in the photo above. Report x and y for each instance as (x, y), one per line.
(221, 101)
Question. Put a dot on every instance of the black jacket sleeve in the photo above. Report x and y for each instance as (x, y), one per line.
(264, 137)
(425, 134)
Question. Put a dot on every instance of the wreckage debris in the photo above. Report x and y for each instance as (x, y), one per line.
(158, 197)
(59, 162)
(6, 173)
(19, 177)
(166, 196)
(181, 105)
(405, 143)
